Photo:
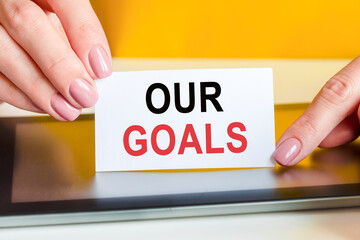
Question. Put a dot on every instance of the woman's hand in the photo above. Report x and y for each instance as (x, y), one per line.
(50, 52)
(332, 119)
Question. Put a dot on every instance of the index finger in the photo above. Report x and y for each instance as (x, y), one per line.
(85, 35)
(338, 99)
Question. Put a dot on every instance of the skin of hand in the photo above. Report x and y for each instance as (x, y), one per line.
(332, 119)
(50, 53)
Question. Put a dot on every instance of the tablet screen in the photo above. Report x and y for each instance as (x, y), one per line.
(48, 166)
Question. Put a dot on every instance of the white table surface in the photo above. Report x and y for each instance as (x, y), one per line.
(326, 224)
(306, 75)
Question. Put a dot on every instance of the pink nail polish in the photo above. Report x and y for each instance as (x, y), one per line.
(287, 151)
(64, 108)
(85, 94)
(100, 62)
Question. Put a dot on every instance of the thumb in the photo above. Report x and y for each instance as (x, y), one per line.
(337, 100)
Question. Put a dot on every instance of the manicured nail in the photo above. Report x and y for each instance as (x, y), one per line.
(64, 108)
(85, 94)
(100, 62)
(287, 151)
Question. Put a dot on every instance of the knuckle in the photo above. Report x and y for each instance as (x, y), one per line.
(8, 92)
(338, 89)
(32, 87)
(86, 29)
(21, 15)
(55, 64)
(307, 125)
(2, 32)
(58, 63)
(11, 95)
(8, 48)
(4, 41)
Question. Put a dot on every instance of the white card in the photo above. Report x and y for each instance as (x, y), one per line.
(185, 119)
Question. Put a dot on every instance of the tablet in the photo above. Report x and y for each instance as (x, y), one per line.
(47, 176)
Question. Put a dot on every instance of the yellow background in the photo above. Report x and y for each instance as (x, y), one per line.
(231, 28)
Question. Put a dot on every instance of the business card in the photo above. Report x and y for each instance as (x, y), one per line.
(185, 119)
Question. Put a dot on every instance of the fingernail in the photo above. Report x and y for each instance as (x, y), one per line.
(100, 62)
(85, 94)
(64, 108)
(287, 151)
